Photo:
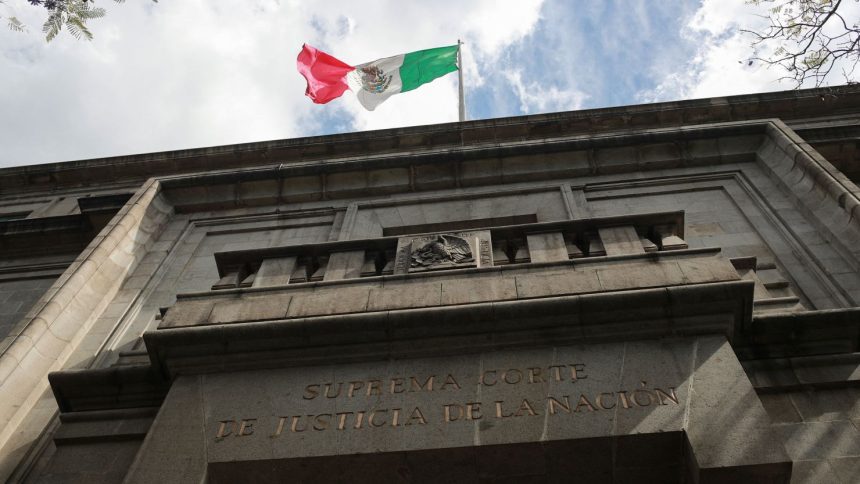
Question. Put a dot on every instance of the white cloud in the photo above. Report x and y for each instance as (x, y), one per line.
(178, 75)
(535, 97)
(495, 24)
(487, 27)
(724, 61)
(720, 66)
(719, 17)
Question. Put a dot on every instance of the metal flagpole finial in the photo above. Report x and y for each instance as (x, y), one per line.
(460, 77)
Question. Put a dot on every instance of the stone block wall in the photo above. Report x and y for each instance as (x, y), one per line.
(16, 299)
(51, 336)
(820, 429)
(786, 219)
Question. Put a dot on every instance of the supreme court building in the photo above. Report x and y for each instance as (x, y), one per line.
(663, 293)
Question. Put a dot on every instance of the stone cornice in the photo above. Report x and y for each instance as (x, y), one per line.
(786, 105)
(475, 165)
(711, 308)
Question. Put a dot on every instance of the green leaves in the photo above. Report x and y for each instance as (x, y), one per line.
(52, 26)
(15, 25)
(12, 22)
(77, 28)
(73, 14)
(810, 39)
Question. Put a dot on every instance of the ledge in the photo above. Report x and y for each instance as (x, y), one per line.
(108, 388)
(795, 334)
(516, 282)
(430, 275)
(716, 308)
(229, 261)
(796, 104)
(804, 373)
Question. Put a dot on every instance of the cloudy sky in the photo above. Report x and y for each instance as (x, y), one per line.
(192, 73)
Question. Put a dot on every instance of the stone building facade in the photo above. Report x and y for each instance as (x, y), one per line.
(656, 293)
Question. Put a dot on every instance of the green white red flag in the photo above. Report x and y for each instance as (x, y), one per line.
(372, 82)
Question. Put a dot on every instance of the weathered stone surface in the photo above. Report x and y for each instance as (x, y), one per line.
(813, 472)
(726, 405)
(90, 462)
(488, 400)
(621, 240)
(819, 440)
(405, 294)
(275, 272)
(627, 276)
(707, 270)
(827, 405)
(174, 449)
(447, 250)
(589, 460)
(249, 309)
(547, 247)
(346, 300)
(503, 284)
(474, 290)
(755, 188)
(780, 408)
(189, 313)
(344, 265)
(520, 381)
(557, 283)
(847, 469)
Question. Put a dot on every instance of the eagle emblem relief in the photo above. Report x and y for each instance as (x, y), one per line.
(443, 249)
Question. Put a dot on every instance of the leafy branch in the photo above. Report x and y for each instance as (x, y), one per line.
(12, 22)
(811, 38)
(72, 15)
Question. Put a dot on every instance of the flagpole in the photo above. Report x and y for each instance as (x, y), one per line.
(460, 74)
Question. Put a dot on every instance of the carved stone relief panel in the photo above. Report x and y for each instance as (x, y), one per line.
(449, 250)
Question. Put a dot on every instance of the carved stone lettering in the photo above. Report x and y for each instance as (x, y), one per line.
(566, 400)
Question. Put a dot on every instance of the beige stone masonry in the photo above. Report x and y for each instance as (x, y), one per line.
(61, 318)
(547, 247)
(621, 240)
(816, 187)
(344, 265)
(450, 288)
(274, 272)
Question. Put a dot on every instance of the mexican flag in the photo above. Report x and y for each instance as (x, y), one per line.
(373, 82)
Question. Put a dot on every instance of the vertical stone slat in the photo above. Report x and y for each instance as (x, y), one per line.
(275, 272)
(621, 240)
